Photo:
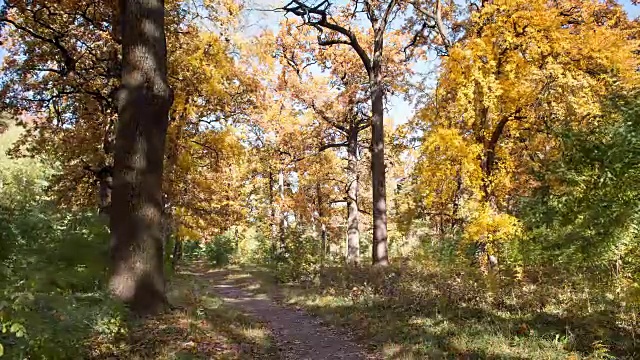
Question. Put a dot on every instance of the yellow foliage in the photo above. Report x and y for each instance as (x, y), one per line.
(446, 156)
(489, 226)
(524, 70)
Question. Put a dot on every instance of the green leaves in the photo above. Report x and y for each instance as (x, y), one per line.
(17, 329)
(583, 213)
(47, 306)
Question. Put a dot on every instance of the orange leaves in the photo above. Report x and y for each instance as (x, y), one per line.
(204, 182)
(62, 65)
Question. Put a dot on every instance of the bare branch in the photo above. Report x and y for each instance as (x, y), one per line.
(215, 151)
(332, 42)
(323, 115)
(318, 17)
(69, 61)
(387, 13)
(329, 146)
(415, 38)
(438, 23)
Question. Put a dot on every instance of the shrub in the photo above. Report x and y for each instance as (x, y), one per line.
(220, 250)
(300, 260)
(52, 269)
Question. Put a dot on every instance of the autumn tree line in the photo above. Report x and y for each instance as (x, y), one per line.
(178, 126)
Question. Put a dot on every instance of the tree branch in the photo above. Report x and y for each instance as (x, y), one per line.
(317, 16)
(332, 42)
(69, 61)
(215, 151)
(438, 23)
(334, 145)
(327, 118)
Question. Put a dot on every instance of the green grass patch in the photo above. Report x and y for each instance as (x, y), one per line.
(411, 313)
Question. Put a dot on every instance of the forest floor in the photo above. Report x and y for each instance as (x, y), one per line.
(200, 326)
(401, 328)
(244, 313)
(225, 314)
(298, 335)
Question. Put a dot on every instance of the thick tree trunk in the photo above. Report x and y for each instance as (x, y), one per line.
(143, 105)
(379, 251)
(353, 217)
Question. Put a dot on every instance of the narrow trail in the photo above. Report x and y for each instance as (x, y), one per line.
(299, 336)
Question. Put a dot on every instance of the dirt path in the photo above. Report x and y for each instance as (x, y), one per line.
(299, 336)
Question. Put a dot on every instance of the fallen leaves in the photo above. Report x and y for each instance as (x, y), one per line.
(202, 328)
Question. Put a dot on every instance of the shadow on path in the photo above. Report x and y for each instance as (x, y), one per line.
(299, 336)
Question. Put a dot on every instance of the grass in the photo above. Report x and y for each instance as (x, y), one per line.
(412, 313)
(202, 327)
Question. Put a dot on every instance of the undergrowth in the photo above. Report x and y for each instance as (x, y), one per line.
(412, 310)
(53, 303)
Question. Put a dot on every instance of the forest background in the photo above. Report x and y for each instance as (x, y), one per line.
(447, 177)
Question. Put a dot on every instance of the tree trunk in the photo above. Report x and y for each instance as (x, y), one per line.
(457, 198)
(282, 215)
(379, 251)
(105, 173)
(144, 100)
(273, 214)
(489, 158)
(353, 233)
(323, 227)
(237, 240)
(177, 252)
(105, 186)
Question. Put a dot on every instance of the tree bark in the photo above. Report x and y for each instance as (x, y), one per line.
(489, 159)
(457, 198)
(379, 251)
(105, 174)
(144, 100)
(282, 215)
(237, 240)
(104, 179)
(272, 214)
(323, 227)
(353, 216)
(177, 252)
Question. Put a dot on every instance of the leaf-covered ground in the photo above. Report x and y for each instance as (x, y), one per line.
(201, 326)
(243, 313)
(224, 314)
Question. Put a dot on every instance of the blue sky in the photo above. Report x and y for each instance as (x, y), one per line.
(632, 10)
